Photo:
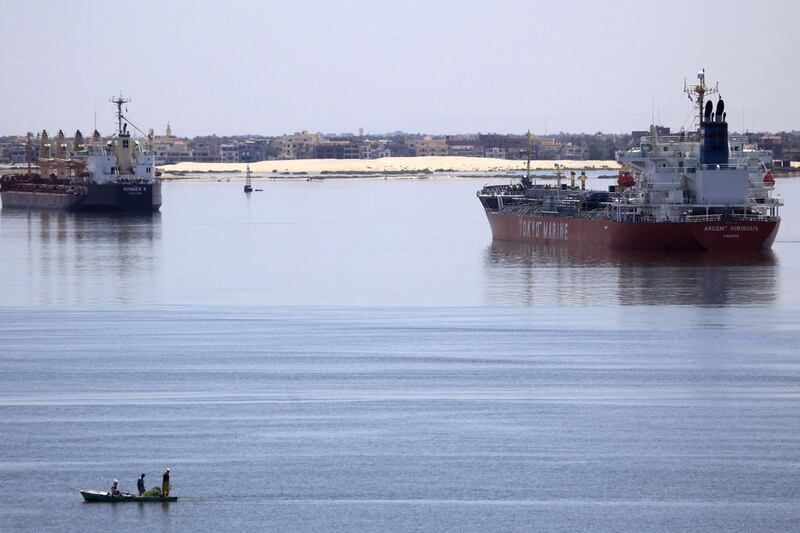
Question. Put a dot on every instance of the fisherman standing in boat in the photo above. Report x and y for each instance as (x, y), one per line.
(140, 484)
(165, 484)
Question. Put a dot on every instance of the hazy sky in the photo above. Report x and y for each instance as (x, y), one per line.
(420, 66)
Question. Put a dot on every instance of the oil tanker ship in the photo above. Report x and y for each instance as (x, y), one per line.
(117, 175)
(696, 191)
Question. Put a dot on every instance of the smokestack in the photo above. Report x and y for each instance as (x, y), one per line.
(78, 145)
(44, 146)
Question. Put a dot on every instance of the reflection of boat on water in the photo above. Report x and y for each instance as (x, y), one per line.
(80, 256)
(522, 273)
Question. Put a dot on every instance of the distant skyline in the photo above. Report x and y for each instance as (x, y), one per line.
(430, 67)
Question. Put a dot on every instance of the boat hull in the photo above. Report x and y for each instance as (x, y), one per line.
(726, 235)
(93, 496)
(109, 197)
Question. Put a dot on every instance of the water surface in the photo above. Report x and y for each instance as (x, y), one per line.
(361, 356)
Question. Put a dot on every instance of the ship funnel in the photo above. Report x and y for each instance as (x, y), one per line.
(61, 154)
(61, 145)
(78, 145)
(707, 113)
(44, 146)
(715, 151)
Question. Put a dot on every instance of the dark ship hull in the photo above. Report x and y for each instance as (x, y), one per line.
(58, 194)
(720, 235)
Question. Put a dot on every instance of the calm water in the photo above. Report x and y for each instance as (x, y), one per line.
(360, 356)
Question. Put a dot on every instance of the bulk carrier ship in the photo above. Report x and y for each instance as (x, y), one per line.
(118, 175)
(695, 191)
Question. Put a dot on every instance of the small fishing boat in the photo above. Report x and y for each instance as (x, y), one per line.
(95, 496)
(248, 184)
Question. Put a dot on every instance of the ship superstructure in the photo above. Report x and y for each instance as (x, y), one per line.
(116, 174)
(699, 190)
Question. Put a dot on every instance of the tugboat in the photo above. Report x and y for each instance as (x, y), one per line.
(116, 176)
(693, 191)
(248, 184)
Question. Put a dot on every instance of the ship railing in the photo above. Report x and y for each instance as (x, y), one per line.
(751, 217)
(701, 218)
(632, 217)
(738, 165)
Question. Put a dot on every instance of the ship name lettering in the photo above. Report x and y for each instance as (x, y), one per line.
(544, 230)
(731, 228)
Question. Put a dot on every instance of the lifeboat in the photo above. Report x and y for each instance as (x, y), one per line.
(769, 179)
(625, 179)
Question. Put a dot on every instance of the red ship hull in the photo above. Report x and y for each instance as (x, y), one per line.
(728, 235)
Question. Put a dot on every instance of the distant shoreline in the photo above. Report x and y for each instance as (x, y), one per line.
(376, 168)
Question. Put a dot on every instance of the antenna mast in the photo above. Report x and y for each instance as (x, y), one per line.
(697, 94)
(119, 101)
(528, 173)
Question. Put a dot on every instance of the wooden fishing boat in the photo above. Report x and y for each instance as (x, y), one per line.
(95, 496)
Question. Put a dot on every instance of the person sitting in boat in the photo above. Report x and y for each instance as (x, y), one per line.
(140, 484)
(115, 488)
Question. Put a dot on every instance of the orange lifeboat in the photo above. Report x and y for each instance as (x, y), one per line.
(769, 179)
(625, 179)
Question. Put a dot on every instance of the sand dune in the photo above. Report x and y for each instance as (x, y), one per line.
(387, 164)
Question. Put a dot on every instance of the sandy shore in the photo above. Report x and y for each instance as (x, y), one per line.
(385, 165)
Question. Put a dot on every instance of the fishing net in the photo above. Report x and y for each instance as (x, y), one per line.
(155, 491)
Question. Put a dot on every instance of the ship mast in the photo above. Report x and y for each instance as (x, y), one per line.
(528, 174)
(118, 101)
(527, 180)
(29, 151)
(697, 94)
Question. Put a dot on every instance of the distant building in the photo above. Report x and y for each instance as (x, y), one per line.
(495, 153)
(464, 150)
(299, 145)
(574, 152)
(636, 136)
(205, 150)
(168, 149)
(463, 145)
(773, 143)
(375, 149)
(229, 153)
(351, 149)
(252, 150)
(339, 149)
(513, 146)
(545, 148)
(427, 146)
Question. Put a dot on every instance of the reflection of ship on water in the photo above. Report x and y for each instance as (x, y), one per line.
(521, 273)
(82, 257)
